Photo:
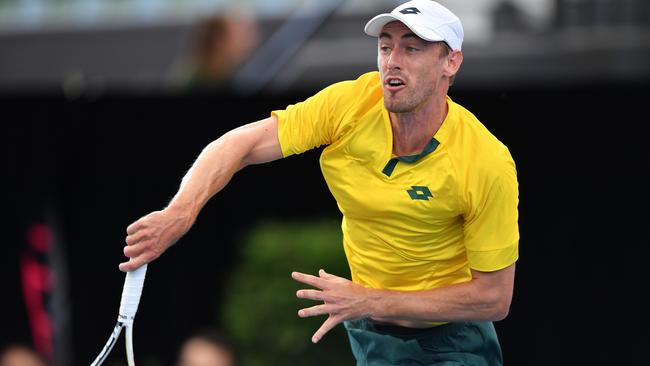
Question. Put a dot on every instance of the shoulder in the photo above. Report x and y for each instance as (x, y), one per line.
(474, 139)
(365, 88)
(342, 97)
(368, 82)
(347, 101)
(481, 160)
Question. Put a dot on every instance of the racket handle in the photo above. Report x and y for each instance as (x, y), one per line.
(131, 294)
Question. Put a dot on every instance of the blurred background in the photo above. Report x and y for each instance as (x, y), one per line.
(105, 105)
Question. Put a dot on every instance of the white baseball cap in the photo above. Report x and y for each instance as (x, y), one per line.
(426, 18)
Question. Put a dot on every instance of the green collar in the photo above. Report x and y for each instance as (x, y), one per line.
(410, 159)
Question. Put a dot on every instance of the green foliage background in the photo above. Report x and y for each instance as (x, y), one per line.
(260, 310)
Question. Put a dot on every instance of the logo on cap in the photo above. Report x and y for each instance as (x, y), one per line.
(410, 11)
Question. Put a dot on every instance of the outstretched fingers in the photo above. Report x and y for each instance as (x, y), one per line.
(336, 293)
(326, 275)
(310, 280)
(317, 295)
(315, 310)
(328, 325)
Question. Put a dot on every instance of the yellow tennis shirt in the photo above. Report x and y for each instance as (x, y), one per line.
(415, 222)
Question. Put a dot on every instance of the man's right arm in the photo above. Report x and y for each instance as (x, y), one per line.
(254, 143)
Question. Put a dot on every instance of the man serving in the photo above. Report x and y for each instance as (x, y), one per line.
(428, 196)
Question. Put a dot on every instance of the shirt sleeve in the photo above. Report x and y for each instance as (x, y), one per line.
(325, 117)
(491, 223)
(308, 124)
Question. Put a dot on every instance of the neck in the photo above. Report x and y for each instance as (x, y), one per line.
(413, 130)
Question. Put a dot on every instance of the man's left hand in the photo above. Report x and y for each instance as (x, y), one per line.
(342, 300)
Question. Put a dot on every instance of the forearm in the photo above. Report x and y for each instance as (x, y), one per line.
(221, 159)
(459, 302)
(148, 237)
(486, 297)
(211, 171)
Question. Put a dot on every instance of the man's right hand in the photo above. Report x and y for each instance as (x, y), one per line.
(151, 235)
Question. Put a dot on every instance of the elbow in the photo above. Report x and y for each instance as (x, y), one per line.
(497, 306)
(236, 147)
(500, 307)
(495, 291)
(500, 312)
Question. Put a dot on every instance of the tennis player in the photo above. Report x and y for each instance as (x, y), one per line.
(428, 195)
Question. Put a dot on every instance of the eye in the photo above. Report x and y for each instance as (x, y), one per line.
(412, 49)
(384, 49)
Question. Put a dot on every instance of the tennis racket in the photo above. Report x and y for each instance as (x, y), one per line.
(128, 307)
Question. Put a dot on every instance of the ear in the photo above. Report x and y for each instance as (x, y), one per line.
(454, 59)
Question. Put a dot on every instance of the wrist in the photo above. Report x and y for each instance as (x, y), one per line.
(183, 214)
(375, 303)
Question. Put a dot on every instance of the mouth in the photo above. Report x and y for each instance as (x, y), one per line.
(394, 83)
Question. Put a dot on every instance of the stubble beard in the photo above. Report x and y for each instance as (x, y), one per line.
(410, 102)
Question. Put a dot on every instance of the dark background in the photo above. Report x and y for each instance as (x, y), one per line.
(102, 162)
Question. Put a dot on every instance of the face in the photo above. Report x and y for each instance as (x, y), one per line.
(411, 68)
(198, 352)
(19, 356)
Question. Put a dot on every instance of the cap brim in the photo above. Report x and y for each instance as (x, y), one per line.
(375, 25)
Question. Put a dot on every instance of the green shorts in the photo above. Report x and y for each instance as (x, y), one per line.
(453, 344)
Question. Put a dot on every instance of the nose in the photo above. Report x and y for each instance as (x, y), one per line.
(394, 60)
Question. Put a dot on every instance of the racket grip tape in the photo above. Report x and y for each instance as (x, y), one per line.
(131, 294)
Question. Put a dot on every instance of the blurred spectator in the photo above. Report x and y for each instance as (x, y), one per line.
(17, 355)
(206, 348)
(507, 16)
(221, 44)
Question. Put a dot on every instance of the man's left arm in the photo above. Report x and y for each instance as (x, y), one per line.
(486, 297)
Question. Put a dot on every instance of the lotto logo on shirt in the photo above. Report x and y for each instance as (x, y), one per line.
(419, 193)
